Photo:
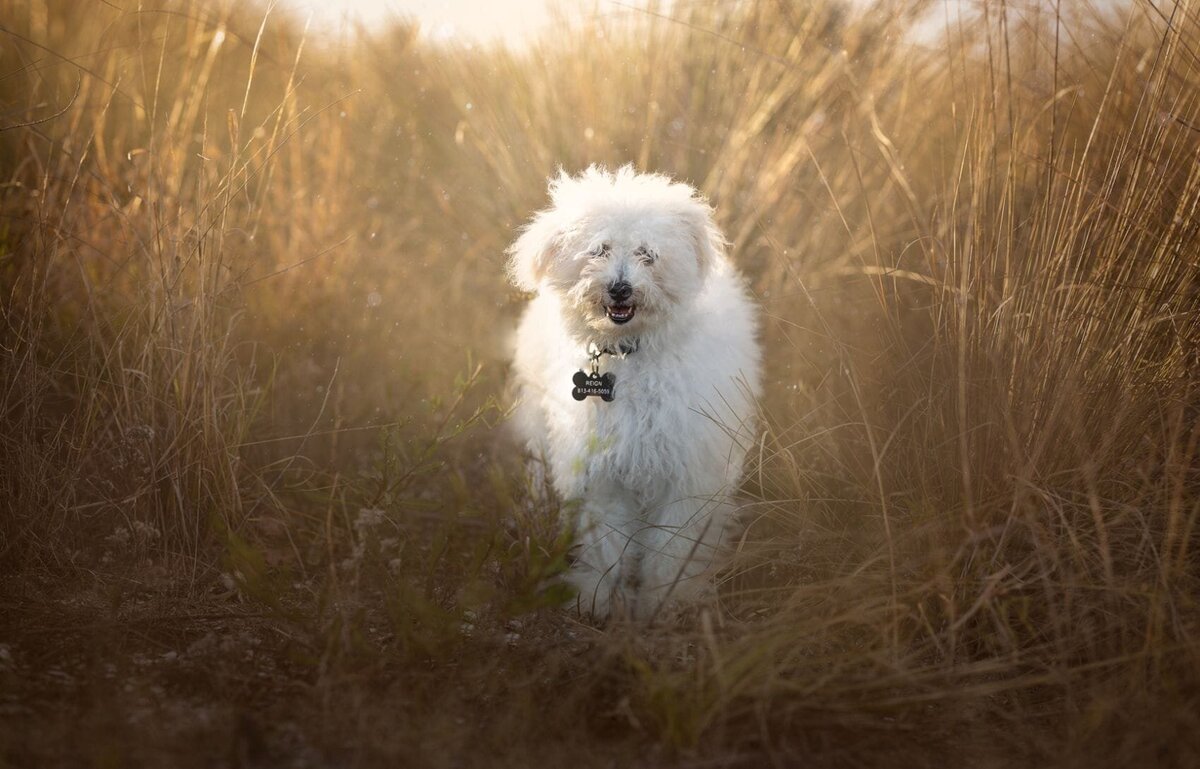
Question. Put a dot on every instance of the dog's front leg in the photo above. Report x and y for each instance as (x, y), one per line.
(605, 570)
(680, 546)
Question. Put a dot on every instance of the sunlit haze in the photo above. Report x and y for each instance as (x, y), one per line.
(513, 21)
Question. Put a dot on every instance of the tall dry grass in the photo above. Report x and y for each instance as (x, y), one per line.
(253, 317)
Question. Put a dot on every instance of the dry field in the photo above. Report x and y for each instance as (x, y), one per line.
(257, 503)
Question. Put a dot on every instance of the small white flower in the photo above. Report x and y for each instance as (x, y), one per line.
(120, 536)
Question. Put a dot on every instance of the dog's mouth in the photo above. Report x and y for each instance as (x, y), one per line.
(620, 313)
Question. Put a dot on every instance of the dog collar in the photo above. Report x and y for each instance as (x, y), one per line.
(624, 347)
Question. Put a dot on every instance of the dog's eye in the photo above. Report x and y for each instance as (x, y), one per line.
(646, 255)
(600, 250)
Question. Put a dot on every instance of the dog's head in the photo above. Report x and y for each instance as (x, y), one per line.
(624, 250)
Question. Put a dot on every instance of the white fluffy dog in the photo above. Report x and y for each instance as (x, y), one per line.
(633, 283)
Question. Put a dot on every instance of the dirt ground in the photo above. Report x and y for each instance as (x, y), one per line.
(133, 667)
(112, 670)
(109, 670)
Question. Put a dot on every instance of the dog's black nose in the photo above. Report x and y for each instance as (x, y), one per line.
(620, 291)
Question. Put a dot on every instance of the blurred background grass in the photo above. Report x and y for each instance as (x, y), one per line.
(254, 333)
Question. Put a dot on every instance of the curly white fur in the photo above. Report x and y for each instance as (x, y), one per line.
(648, 478)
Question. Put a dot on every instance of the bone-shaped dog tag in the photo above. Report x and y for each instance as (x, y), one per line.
(593, 384)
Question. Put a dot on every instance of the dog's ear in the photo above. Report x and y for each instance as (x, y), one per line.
(710, 244)
(534, 251)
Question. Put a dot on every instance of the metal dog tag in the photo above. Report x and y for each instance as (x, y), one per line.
(593, 384)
